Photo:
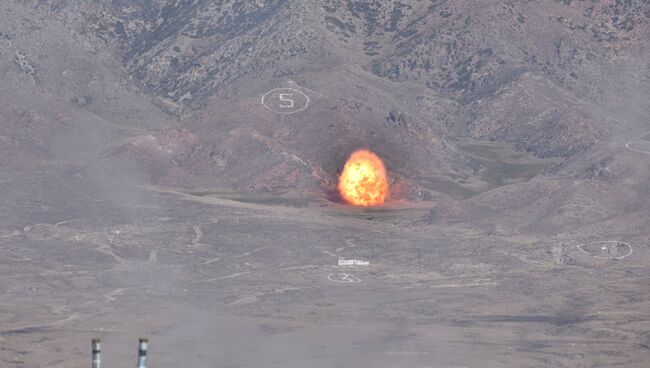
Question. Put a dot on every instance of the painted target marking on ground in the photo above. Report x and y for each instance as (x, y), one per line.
(608, 249)
(343, 277)
(285, 100)
(640, 147)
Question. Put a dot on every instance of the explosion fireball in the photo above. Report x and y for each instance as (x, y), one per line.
(363, 180)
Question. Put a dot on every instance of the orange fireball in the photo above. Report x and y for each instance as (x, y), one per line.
(363, 180)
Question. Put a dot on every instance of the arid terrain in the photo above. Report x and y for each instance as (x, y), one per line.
(168, 169)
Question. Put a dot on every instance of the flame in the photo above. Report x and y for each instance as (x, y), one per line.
(363, 180)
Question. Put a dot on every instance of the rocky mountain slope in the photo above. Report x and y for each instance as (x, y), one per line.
(177, 87)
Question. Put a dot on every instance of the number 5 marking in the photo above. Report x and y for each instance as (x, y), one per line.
(283, 98)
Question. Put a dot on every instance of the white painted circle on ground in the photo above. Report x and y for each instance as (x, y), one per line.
(608, 249)
(639, 146)
(343, 277)
(285, 100)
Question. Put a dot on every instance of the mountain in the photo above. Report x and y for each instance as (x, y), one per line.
(411, 80)
(177, 86)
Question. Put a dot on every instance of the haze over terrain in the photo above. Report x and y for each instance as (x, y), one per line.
(152, 185)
